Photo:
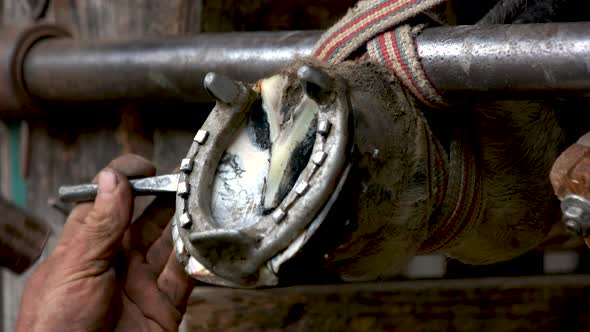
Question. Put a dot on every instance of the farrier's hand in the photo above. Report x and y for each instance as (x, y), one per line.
(106, 274)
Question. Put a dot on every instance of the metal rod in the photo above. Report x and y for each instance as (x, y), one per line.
(549, 58)
(163, 68)
(140, 187)
(546, 58)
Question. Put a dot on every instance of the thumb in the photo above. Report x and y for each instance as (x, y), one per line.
(97, 229)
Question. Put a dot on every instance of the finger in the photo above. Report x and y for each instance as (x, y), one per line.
(142, 289)
(151, 224)
(132, 165)
(175, 283)
(97, 234)
(157, 255)
(78, 213)
(129, 165)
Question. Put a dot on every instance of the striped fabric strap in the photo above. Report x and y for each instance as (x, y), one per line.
(462, 204)
(396, 49)
(363, 23)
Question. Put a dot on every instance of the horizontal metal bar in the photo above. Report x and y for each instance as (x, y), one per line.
(549, 58)
(546, 58)
(162, 68)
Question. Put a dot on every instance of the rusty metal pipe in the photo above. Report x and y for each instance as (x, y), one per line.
(15, 43)
(546, 58)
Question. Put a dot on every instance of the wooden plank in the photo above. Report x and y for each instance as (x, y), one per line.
(236, 15)
(5, 186)
(127, 19)
(11, 12)
(543, 303)
(15, 12)
(174, 132)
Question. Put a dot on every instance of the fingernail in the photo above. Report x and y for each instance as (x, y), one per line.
(107, 181)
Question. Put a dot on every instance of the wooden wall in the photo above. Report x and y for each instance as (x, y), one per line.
(486, 305)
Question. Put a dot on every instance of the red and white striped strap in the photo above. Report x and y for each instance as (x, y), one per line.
(367, 24)
(462, 205)
(397, 51)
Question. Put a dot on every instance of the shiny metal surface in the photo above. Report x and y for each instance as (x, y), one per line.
(140, 187)
(316, 83)
(170, 68)
(221, 88)
(15, 43)
(576, 215)
(544, 58)
(503, 59)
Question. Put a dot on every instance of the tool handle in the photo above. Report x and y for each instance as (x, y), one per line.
(139, 187)
(78, 193)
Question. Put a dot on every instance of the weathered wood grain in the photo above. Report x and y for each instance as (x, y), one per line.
(11, 12)
(127, 19)
(22, 237)
(16, 11)
(236, 15)
(495, 304)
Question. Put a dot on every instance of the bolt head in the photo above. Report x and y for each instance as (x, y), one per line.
(221, 88)
(278, 215)
(183, 189)
(201, 136)
(324, 127)
(186, 166)
(301, 188)
(573, 226)
(186, 221)
(179, 247)
(174, 231)
(574, 212)
(319, 157)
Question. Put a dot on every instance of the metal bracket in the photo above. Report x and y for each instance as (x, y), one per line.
(15, 44)
(576, 215)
